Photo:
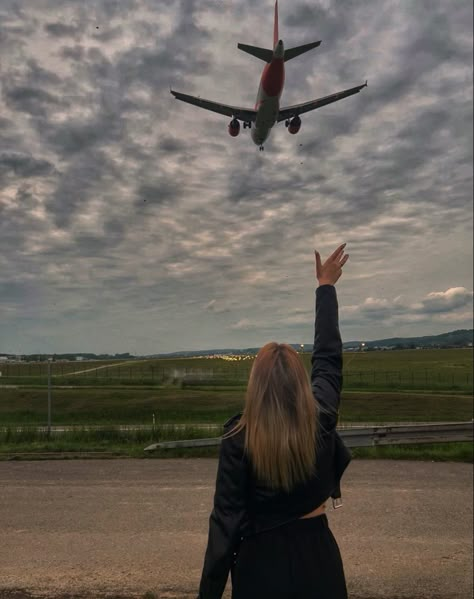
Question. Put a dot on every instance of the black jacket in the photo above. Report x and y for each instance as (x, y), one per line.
(242, 506)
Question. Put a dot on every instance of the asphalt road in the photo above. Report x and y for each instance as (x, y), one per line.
(124, 527)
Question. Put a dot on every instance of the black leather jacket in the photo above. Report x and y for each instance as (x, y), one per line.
(242, 506)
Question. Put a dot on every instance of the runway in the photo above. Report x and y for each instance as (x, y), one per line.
(92, 528)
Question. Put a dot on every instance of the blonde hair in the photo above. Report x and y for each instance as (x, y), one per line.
(280, 417)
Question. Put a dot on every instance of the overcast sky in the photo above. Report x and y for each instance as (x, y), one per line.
(130, 221)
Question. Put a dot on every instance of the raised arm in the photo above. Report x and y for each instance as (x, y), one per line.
(326, 360)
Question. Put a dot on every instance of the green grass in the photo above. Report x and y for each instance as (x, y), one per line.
(114, 406)
(39, 369)
(382, 370)
(117, 444)
(107, 435)
(459, 360)
(399, 407)
(110, 440)
(397, 386)
(172, 405)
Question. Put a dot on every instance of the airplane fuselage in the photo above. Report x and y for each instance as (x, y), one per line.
(261, 119)
(268, 97)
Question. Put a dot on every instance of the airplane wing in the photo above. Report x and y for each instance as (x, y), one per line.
(291, 111)
(242, 114)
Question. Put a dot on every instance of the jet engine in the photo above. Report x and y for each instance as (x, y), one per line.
(294, 125)
(234, 127)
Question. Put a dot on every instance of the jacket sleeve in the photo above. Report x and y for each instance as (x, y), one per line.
(326, 360)
(226, 518)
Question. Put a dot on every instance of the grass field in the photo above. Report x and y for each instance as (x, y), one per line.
(380, 387)
(449, 369)
(137, 406)
(110, 444)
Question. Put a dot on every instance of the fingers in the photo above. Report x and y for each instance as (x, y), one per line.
(344, 260)
(336, 258)
(319, 265)
(336, 253)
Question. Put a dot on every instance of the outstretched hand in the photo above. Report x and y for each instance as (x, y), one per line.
(329, 272)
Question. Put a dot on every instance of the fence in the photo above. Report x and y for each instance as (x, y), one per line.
(408, 379)
(109, 374)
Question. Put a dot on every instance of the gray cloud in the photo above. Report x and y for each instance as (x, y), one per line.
(170, 145)
(80, 136)
(31, 100)
(450, 305)
(121, 207)
(61, 30)
(158, 193)
(23, 165)
(72, 52)
(333, 21)
(79, 181)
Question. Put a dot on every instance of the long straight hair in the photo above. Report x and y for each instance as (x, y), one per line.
(280, 418)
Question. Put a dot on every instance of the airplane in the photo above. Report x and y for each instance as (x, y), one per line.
(267, 109)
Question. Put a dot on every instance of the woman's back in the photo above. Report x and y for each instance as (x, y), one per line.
(268, 507)
(279, 459)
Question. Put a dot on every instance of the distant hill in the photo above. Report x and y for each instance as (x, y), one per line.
(459, 338)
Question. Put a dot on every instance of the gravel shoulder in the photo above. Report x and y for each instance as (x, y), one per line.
(121, 528)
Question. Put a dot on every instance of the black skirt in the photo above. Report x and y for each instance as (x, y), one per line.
(298, 560)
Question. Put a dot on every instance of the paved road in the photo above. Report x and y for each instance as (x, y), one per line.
(91, 528)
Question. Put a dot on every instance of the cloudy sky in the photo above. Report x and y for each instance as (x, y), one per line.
(130, 221)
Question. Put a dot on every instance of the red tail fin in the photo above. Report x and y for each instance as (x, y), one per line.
(275, 25)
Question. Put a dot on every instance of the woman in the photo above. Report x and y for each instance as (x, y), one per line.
(280, 461)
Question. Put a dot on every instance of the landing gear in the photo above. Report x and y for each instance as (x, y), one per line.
(287, 122)
(261, 148)
(247, 124)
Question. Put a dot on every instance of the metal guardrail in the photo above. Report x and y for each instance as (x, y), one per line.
(367, 436)
(407, 434)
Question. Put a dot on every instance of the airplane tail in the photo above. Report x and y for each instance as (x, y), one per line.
(263, 53)
(294, 52)
(267, 55)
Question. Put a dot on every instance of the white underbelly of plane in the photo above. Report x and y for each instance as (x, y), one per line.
(267, 115)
